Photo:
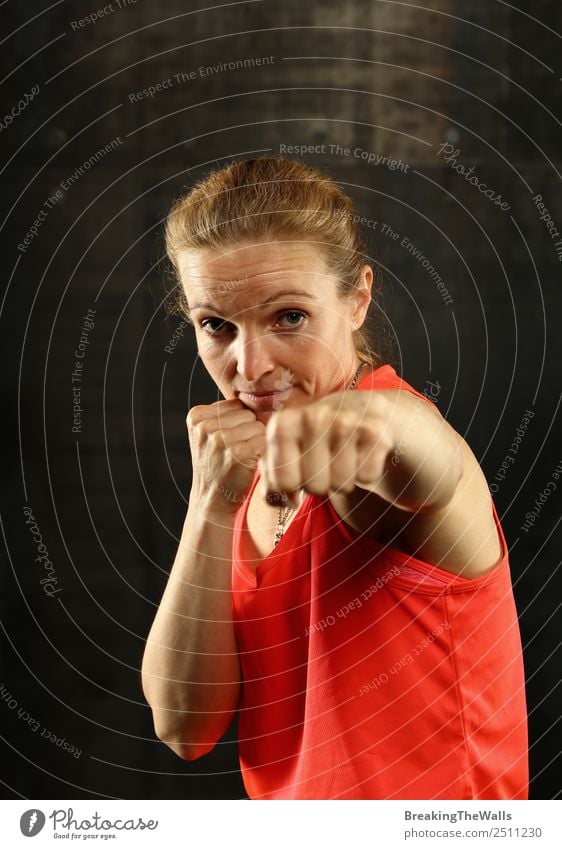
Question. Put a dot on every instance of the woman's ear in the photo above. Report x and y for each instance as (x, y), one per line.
(362, 297)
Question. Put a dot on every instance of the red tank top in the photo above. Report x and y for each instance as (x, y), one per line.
(369, 674)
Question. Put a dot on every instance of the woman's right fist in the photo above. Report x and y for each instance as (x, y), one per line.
(226, 442)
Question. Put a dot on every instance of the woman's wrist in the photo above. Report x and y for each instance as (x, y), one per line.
(214, 505)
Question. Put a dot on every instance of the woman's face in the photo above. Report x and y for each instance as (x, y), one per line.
(271, 329)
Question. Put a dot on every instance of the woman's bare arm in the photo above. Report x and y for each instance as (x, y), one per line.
(190, 667)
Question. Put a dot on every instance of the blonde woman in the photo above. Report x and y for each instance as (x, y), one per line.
(342, 579)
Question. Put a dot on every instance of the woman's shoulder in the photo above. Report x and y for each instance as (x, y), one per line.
(385, 377)
(465, 537)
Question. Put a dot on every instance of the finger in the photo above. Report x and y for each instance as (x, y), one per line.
(203, 412)
(370, 463)
(343, 452)
(236, 414)
(316, 456)
(228, 404)
(282, 456)
(283, 464)
(232, 419)
(372, 452)
(249, 451)
(242, 432)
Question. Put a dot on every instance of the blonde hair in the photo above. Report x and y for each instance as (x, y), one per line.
(271, 197)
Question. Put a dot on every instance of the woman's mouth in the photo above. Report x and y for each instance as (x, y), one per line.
(265, 399)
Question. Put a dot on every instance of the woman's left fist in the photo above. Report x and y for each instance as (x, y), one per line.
(335, 443)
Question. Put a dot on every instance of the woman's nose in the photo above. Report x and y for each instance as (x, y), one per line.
(253, 357)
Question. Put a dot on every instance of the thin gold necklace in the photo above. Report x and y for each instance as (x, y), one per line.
(283, 513)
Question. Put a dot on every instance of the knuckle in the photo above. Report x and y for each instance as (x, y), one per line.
(323, 419)
(235, 448)
(215, 439)
(345, 425)
(280, 426)
(256, 443)
(203, 429)
(382, 439)
(194, 415)
(367, 438)
(250, 431)
(242, 451)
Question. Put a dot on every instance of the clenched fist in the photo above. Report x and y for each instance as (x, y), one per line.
(333, 443)
(226, 440)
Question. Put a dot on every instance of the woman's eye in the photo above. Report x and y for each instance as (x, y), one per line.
(294, 318)
(219, 327)
(214, 326)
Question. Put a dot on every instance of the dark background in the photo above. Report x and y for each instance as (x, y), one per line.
(386, 78)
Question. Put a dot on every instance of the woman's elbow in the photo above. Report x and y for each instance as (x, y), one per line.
(188, 752)
(182, 746)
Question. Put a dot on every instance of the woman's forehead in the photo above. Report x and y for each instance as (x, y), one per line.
(252, 261)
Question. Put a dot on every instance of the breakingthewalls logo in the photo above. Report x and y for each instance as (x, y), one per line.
(31, 822)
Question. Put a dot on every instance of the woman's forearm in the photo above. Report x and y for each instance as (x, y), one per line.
(190, 667)
(426, 463)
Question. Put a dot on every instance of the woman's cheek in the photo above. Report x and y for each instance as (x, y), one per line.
(218, 364)
(208, 348)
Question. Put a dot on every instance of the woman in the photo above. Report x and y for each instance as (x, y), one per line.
(342, 579)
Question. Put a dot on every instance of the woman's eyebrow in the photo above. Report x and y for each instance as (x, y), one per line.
(300, 293)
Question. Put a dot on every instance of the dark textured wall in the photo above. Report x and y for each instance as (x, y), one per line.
(376, 77)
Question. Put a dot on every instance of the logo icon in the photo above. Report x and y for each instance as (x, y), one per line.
(31, 822)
